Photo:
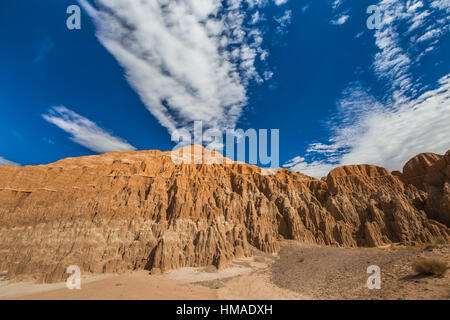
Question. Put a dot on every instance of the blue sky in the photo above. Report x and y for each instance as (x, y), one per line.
(339, 92)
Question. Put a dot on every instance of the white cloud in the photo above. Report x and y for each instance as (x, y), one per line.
(256, 17)
(305, 8)
(442, 5)
(85, 132)
(418, 20)
(268, 75)
(382, 136)
(342, 17)
(359, 35)
(283, 21)
(314, 169)
(414, 6)
(188, 60)
(412, 117)
(280, 2)
(337, 3)
(340, 20)
(430, 34)
(394, 59)
(4, 162)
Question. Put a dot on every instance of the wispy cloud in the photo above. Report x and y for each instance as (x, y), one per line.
(85, 132)
(316, 169)
(410, 118)
(442, 5)
(4, 162)
(188, 60)
(280, 2)
(284, 21)
(396, 56)
(340, 20)
(305, 8)
(43, 48)
(337, 3)
(49, 141)
(381, 136)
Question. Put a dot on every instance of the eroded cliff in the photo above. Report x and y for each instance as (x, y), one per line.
(132, 210)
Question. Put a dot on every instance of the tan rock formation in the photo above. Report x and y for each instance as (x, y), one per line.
(133, 210)
(430, 172)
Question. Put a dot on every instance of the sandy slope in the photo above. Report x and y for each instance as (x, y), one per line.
(299, 272)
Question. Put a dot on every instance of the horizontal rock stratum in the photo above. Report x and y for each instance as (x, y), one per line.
(141, 210)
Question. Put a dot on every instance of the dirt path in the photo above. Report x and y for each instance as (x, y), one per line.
(336, 273)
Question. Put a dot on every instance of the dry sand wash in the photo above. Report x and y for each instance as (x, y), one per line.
(140, 210)
(300, 271)
(341, 273)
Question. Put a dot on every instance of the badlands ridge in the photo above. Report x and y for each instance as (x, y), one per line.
(140, 210)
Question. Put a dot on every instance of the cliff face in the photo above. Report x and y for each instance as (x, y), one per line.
(134, 210)
(431, 173)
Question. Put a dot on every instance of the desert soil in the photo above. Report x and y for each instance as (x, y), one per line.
(299, 272)
(338, 273)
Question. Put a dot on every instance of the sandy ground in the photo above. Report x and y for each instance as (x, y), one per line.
(298, 272)
(244, 279)
(337, 273)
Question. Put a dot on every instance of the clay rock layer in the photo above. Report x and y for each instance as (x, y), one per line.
(141, 210)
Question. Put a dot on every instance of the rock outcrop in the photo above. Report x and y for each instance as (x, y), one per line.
(141, 210)
(430, 172)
